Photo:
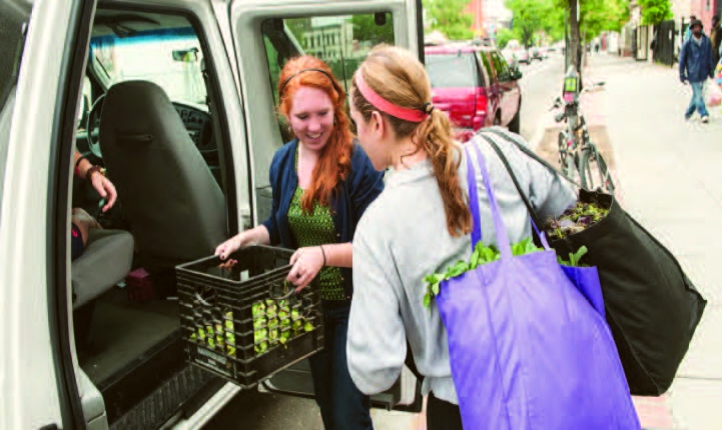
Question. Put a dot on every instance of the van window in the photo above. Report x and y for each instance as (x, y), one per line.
(452, 70)
(13, 19)
(343, 42)
(169, 57)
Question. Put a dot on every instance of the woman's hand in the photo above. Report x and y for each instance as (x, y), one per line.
(225, 249)
(105, 188)
(307, 262)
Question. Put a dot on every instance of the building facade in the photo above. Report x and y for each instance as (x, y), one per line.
(704, 10)
(489, 17)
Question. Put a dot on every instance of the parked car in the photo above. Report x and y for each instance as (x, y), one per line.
(510, 58)
(536, 53)
(475, 86)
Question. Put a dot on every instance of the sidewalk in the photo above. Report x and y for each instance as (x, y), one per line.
(670, 175)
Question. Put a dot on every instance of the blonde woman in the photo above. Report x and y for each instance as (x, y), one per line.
(420, 224)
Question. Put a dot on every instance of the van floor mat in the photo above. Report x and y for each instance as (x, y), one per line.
(121, 334)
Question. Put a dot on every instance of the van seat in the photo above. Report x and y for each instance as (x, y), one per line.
(106, 261)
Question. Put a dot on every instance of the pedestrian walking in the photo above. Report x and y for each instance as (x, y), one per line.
(322, 183)
(715, 36)
(420, 225)
(696, 64)
(688, 32)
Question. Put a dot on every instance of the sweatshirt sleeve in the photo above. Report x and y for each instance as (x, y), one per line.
(376, 346)
(550, 194)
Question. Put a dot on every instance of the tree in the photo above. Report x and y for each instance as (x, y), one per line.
(373, 33)
(655, 11)
(530, 17)
(504, 35)
(448, 17)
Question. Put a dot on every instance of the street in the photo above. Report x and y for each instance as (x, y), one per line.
(669, 179)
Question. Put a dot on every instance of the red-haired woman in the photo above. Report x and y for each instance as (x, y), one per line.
(322, 183)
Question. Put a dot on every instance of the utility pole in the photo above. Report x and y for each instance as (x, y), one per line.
(574, 48)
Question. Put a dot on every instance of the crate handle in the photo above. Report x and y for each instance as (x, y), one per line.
(283, 297)
(202, 300)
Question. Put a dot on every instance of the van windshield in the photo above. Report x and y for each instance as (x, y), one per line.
(169, 57)
(451, 70)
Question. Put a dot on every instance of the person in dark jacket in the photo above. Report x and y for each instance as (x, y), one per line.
(715, 36)
(322, 182)
(696, 64)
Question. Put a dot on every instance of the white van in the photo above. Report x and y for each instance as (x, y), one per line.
(75, 351)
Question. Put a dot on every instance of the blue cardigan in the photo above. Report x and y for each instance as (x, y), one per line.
(362, 185)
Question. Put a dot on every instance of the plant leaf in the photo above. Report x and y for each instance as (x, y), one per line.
(435, 288)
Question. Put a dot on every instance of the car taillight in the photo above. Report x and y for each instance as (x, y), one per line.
(482, 104)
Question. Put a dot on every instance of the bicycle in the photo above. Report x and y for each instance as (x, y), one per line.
(577, 153)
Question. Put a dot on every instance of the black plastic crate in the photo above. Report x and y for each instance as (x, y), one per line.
(217, 307)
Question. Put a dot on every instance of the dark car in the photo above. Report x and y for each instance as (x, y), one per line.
(475, 86)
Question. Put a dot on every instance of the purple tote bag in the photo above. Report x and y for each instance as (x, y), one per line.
(528, 349)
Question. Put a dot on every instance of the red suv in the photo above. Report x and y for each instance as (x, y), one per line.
(475, 86)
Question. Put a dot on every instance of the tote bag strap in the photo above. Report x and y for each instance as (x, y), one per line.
(473, 200)
(535, 220)
(502, 239)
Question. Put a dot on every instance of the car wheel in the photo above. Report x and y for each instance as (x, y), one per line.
(515, 124)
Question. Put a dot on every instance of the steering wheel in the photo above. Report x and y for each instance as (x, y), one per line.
(93, 126)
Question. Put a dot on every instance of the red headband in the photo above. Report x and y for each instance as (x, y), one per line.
(411, 115)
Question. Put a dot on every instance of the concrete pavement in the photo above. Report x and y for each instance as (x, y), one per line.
(670, 180)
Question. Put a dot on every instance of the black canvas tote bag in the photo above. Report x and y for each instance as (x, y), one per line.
(652, 307)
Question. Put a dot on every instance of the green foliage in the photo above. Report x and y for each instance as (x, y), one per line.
(482, 254)
(504, 35)
(655, 11)
(595, 16)
(603, 15)
(530, 17)
(574, 258)
(366, 28)
(448, 17)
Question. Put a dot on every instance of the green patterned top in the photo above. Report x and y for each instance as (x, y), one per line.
(314, 230)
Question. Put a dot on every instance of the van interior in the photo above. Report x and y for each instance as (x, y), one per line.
(150, 114)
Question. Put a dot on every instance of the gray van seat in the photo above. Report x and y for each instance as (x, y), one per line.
(106, 261)
(175, 207)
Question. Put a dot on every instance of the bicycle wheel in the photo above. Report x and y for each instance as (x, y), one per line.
(593, 170)
(567, 161)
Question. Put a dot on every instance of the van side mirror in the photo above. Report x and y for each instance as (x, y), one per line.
(516, 74)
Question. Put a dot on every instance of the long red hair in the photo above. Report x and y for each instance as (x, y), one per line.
(334, 162)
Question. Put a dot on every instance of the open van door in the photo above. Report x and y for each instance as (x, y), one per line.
(341, 33)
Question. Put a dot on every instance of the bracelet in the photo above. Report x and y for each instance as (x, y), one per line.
(77, 163)
(89, 173)
(324, 255)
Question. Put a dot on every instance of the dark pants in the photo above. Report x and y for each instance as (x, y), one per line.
(442, 415)
(343, 406)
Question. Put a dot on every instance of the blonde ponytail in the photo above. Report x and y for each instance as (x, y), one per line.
(398, 77)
